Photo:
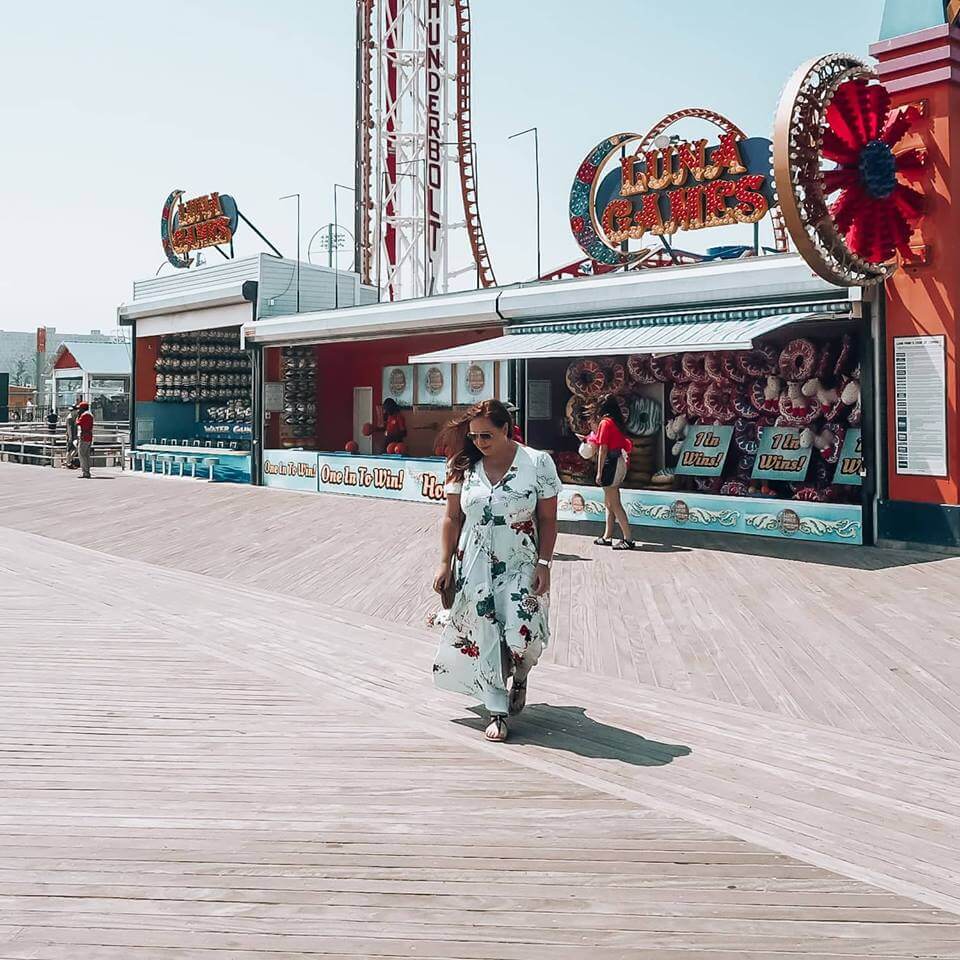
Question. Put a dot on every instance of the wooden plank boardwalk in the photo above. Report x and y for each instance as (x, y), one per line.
(232, 764)
(831, 635)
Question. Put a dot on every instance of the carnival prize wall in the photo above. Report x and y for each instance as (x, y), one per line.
(766, 441)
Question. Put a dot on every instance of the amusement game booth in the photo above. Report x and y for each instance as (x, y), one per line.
(744, 386)
(328, 373)
(194, 386)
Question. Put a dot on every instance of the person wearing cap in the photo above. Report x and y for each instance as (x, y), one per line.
(513, 410)
(71, 428)
(85, 426)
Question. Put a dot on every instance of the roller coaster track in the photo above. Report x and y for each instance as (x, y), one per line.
(465, 147)
(363, 226)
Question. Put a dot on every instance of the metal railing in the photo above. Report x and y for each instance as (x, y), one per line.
(34, 443)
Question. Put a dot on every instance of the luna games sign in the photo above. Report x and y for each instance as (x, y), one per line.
(187, 225)
(670, 188)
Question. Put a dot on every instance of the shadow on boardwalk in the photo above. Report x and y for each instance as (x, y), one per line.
(570, 729)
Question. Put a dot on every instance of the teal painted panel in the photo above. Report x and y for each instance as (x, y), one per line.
(901, 17)
(787, 519)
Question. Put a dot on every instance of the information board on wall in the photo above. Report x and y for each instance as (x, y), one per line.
(920, 405)
(539, 406)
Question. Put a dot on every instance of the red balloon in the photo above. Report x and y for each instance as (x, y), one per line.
(399, 448)
(391, 448)
(367, 429)
(352, 446)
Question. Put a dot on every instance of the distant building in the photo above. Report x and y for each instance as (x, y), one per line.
(18, 352)
(97, 372)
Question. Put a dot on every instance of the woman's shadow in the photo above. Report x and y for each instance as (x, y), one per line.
(571, 730)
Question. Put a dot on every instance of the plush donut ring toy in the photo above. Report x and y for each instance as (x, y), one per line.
(798, 360)
(828, 360)
(624, 404)
(638, 366)
(809, 494)
(694, 367)
(718, 400)
(695, 399)
(746, 436)
(734, 488)
(792, 416)
(732, 364)
(743, 406)
(834, 411)
(578, 417)
(645, 417)
(762, 361)
(713, 366)
(832, 453)
(745, 466)
(844, 359)
(616, 375)
(678, 398)
(586, 378)
(664, 369)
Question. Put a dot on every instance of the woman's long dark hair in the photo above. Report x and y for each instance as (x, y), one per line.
(454, 444)
(609, 407)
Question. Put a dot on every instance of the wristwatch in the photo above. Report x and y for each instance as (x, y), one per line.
(544, 563)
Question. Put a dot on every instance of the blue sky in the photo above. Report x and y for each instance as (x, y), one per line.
(106, 106)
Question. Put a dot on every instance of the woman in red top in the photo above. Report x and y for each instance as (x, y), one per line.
(613, 449)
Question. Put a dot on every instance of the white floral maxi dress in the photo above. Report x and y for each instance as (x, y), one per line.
(496, 622)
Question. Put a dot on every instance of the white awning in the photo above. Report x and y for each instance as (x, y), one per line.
(660, 339)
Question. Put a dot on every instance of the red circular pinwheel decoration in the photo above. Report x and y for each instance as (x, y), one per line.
(875, 211)
(840, 170)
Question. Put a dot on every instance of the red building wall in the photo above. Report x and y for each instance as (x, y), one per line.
(66, 361)
(343, 366)
(925, 300)
(145, 359)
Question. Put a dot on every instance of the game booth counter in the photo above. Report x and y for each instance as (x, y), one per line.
(327, 374)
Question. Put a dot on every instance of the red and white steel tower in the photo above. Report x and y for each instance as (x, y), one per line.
(418, 229)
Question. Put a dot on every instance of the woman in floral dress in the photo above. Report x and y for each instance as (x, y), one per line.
(498, 536)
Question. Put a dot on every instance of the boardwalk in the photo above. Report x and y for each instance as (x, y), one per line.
(218, 742)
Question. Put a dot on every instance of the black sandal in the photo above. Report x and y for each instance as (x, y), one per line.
(603, 542)
(624, 545)
(497, 730)
(518, 696)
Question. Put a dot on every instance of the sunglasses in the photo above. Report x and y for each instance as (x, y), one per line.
(474, 437)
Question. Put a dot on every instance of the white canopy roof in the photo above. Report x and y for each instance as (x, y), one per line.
(664, 338)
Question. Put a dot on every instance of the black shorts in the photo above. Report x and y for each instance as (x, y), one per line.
(609, 472)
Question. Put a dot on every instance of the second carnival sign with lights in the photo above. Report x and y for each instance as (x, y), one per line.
(187, 225)
(666, 187)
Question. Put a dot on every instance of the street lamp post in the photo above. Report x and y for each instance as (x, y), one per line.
(336, 265)
(288, 197)
(536, 159)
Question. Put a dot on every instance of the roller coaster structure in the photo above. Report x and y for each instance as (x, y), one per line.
(418, 229)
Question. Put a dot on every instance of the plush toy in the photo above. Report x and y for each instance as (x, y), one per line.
(824, 390)
(795, 407)
(771, 393)
(676, 430)
(850, 397)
